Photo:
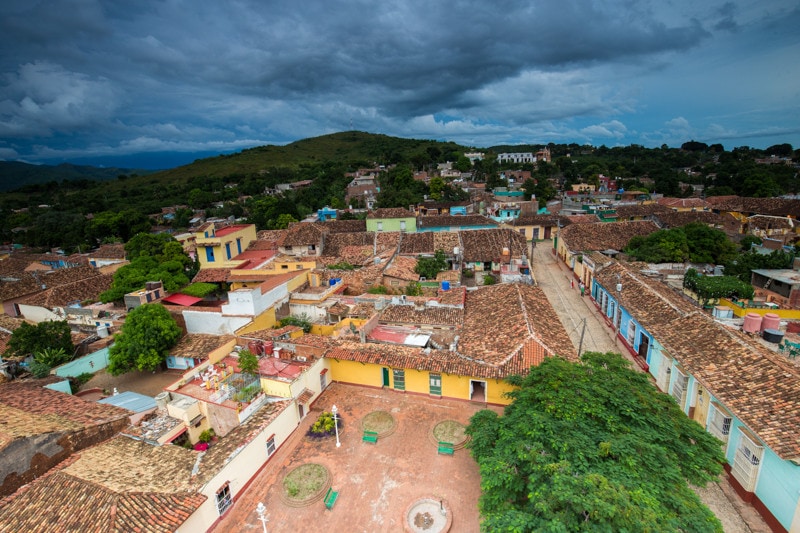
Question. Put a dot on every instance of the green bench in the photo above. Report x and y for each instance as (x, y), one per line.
(370, 436)
(330, 498)
(446, 448)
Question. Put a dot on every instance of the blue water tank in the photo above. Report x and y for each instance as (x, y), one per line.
(445, 285)
(334, 281)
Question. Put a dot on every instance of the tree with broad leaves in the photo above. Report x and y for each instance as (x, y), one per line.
(592, 446)
(144, 341)
(248, 362)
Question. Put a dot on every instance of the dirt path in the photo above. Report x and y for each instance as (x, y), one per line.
(147, 383)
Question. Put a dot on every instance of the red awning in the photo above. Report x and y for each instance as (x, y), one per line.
(181, 299)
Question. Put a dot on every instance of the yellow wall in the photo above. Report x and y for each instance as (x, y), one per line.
(417, 381)
(275, 387)
(788, 314)
(247, 234)
(265, 320)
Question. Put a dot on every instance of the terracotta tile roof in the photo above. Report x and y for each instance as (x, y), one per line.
(764, 222)
(454, 296)
(604, 235)
(446, 241)
(27, 408)
(676, 219)
(316, 341)
(760, 387)
(536, 220)
(109, 251)
(10, 323)
(198, 345)
(682, 203)
(18, 286)
(412, 315)
(488, 244)
(212, 275)
(390, 212)
(68, 293)
(456, 221)
(301, 234)
(387, 240)
(122, 464)
(582, 219)
(399, 356)
(417, 243)
(626, 212)
(335, 243)
(358, 281)
(343, 226)
(62, 502)
(14, 265)
(650, 301)
(267, 240)
(272, 334)
(402, 267)
(227, 447)
(501, 320)
(758, 206)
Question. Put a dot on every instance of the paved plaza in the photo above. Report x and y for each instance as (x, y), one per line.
(376, 482)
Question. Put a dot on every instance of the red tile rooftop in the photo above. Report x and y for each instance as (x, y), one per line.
(280, 368)
(230, 229)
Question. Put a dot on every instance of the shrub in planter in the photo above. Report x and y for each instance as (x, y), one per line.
(323, 427)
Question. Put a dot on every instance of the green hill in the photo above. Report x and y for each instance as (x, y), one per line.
(14, 175)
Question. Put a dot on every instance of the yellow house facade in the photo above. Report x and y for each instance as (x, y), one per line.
(217, 245)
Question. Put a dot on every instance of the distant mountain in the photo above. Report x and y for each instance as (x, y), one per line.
(14, 175)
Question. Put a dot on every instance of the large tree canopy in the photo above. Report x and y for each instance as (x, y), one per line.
(592, 446)
(695, 242)
(146, 336)
(29, 339)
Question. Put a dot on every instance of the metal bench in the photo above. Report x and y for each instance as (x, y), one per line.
(370, 436)
(330, 498)
(446, 448)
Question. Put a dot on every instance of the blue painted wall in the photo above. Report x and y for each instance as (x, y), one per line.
(90, 363)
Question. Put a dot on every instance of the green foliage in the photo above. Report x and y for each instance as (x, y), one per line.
(468, 273)
(378, 289)
(153, 258)
(302, 321)
(592, 446)
(488, 279)
(247, 393)
(748, 241)
(39, 370)
(743, 264)
(145, 339)
(52, 357)
(206, 435)
(248, 362)
(44, 337)
(199, 290)
(342, 265)
(78, 381)
(695, 242)
(710, 288)
(414, 289)
(428, 267)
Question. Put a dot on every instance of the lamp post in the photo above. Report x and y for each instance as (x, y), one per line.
(334, 410)
(261, 509)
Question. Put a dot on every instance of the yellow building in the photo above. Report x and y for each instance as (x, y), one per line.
(217, 245)
(506, 329)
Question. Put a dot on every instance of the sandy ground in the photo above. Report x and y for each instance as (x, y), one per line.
(147, 383)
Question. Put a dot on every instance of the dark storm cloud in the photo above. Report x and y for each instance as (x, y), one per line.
(125, 74)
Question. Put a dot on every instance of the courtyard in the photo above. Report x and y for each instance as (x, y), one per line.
(377, 482)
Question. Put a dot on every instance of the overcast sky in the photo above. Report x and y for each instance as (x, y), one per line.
(160, 83)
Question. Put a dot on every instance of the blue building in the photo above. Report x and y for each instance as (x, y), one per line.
(743, 393)
(326, 213)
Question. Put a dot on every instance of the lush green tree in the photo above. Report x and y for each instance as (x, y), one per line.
(428, 267)
(42, 338)
(151, 244)
(283, 221)
(413, 289)
(463, 164)
(48, 359)
(592, 446)
(708, 245)
(743, 265)
(248, 362)
(748, 241)
(144, 340)
(302, 321)
(710, 288)
(436, 186)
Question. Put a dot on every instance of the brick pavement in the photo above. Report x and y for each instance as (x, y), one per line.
(376, 482)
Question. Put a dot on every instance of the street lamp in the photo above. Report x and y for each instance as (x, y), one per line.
(261, 509)
(334, 410)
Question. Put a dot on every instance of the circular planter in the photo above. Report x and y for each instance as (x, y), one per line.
(449, 431)
(312, 480)
(381, 422)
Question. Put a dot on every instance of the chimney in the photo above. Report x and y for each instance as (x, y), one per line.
(276, 353)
